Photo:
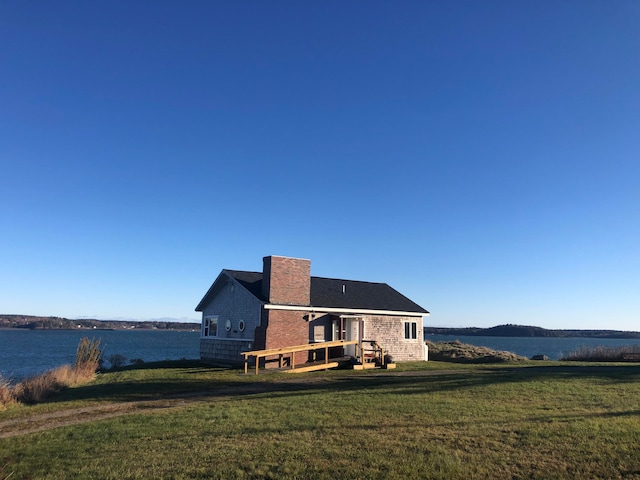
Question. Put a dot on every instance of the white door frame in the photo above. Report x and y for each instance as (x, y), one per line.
(352, 331)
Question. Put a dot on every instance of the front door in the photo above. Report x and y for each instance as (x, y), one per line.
(351, 332)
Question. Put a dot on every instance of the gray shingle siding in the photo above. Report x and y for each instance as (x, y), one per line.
(389, 333)
(232, 302)
(223, 351)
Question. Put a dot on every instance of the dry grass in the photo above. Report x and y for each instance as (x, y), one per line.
(88, 355)
(599, 353)
(39, 388)
(7, 396)
(459, 352)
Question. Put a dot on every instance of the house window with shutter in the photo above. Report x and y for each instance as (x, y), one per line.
(410, 330)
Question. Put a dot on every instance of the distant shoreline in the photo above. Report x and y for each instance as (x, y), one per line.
(3, 329)
(529, 331)
(32, 322)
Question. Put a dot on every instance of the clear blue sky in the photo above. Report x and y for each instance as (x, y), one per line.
(483, 158)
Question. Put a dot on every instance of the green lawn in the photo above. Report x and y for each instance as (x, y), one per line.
(423, 420)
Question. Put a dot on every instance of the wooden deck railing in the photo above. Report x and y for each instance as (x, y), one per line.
(281, 352)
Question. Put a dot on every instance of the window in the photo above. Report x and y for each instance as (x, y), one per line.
(410, 330)
(241, 325)
(210, 327)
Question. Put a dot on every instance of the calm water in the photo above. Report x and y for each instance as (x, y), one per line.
(554, 348)
(29, 352)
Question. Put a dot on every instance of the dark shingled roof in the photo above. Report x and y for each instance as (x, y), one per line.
(252, 281)
(328, 293)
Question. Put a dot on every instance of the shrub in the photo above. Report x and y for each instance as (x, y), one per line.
(136, 361)
(116, 360)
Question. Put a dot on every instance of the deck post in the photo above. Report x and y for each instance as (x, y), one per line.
(257, 363)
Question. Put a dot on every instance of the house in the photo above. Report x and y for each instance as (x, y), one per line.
(284, 305)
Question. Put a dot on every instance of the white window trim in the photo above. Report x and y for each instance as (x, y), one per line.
(206, 326)
(412, 329)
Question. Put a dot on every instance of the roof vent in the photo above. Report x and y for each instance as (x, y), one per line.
(343, 288)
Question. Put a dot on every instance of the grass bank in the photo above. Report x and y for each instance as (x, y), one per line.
(424, 420)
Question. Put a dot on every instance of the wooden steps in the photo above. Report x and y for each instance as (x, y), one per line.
(367, 366)
(364, 366)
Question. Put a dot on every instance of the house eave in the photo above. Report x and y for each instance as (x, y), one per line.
(353, 311)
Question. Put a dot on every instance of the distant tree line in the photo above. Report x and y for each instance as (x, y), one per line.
(59, 323)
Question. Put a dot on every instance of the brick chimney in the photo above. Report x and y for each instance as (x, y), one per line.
(286, 281)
